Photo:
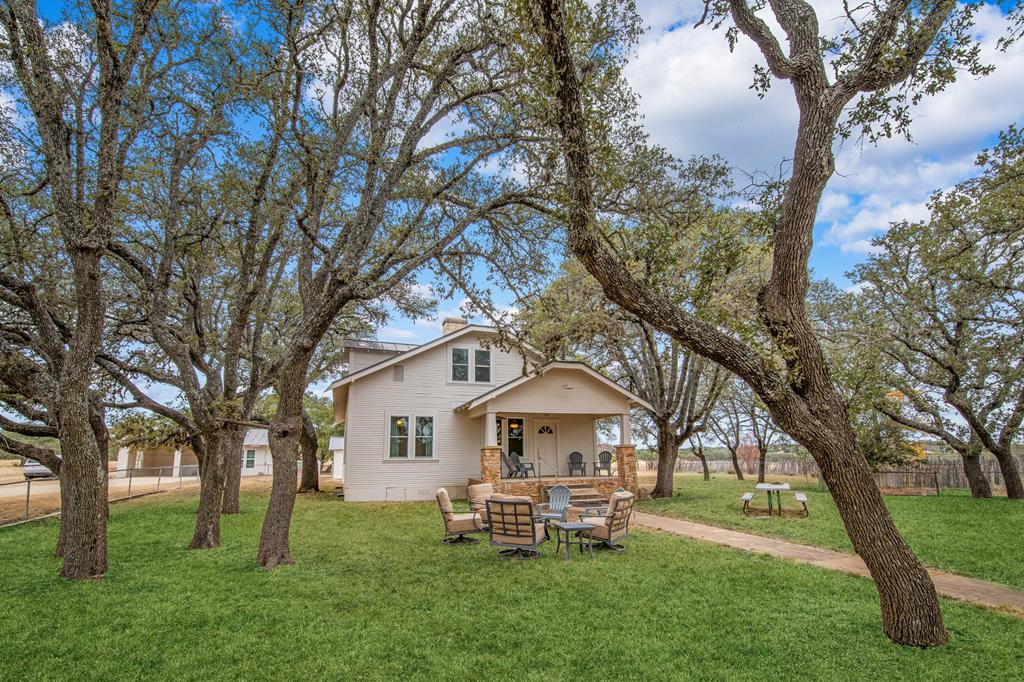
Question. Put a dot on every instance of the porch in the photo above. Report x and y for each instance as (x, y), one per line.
(542, 429)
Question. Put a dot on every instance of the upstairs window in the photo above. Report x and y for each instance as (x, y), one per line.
(460, 364)
(470, 365)
(482, 366)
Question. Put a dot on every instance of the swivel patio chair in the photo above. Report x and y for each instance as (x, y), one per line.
(557, 506)
(576, 463)
(514, 527)
(457, 526)
(613, 526)
(603, 463)
(478, 496)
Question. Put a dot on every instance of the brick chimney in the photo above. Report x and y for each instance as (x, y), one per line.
(453, 324)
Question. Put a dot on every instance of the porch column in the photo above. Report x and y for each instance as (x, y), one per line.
(625, 430)
(491, 429)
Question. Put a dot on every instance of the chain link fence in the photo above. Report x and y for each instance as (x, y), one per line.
(35, 497)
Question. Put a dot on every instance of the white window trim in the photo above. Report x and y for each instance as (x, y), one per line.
(411, 440)
(471, 349)
(245, 458)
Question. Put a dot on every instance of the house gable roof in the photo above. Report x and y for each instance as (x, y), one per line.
(556, 364)
(403, 356)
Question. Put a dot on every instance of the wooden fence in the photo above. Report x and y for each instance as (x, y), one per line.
(929, 477)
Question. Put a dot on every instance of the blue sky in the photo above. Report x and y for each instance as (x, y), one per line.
(695, 99)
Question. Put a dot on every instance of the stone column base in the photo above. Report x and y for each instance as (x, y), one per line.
(490, 464)
(626, 458)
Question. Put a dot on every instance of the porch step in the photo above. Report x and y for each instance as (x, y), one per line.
(583, 496)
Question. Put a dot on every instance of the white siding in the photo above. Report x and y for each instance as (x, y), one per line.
(426, 389)
(575, 434)
(358, 358)
(263, 464)
(562, 391)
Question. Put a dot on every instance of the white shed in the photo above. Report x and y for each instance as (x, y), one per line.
(337, 447)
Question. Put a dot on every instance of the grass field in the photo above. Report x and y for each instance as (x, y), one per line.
(375, 595)
(952, 531)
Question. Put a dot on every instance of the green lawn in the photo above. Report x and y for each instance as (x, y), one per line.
(952, 531)
(376, 596)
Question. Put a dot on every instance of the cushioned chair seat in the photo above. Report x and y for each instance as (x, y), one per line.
(524, 540)
(600, 525)
(460, 523)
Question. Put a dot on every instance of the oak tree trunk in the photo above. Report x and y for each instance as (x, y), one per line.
(909, 603)
(760, 465)
(735, 463)
(668, 453)
(84, 510)
(310, 482)
(233, 440)
(1011, 475)
(211, 495)
(971, 458)
(699, 452)
(286, 434)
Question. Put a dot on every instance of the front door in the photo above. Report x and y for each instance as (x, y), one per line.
(547, 446)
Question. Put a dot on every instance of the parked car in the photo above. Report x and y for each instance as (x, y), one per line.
(33, 469)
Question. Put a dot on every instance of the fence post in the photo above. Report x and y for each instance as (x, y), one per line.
(938, 491)
(130, 472)
(28, 492)
(159, 475)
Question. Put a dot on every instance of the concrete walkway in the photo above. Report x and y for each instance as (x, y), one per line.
(980, 592)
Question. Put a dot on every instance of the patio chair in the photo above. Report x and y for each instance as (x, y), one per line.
(513, 470)
(478, 495)
(576, 463)
(603, 463)
(457, 526)
(613, 526)
(525, 468)
(557, 506)
(514, 527)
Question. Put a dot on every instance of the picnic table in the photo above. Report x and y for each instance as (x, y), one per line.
(777, 488)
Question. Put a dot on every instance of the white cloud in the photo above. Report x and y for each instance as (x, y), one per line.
(393, 333)
(696, 99)
(870, 217)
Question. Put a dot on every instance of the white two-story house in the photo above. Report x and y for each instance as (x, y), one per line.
(446, 413)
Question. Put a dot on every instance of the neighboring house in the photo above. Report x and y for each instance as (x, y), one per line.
(166, 461)
(336, 446)
(441, 414)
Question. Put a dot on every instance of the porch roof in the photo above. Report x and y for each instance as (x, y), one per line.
(631, 398)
